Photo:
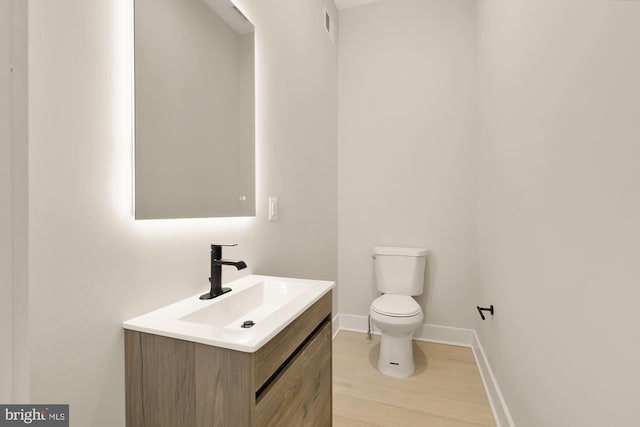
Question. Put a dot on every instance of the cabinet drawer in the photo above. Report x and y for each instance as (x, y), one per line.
(270, 357)
(300, 395)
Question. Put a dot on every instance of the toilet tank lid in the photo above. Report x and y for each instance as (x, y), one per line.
(399, 251)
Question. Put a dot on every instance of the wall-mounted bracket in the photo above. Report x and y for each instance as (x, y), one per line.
(481, 309)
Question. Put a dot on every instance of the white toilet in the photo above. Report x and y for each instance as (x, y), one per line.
(399, 276)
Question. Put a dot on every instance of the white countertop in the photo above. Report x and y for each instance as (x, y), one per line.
(271, 302)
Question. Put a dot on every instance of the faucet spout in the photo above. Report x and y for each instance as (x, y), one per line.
(216, 272)
(240, 265)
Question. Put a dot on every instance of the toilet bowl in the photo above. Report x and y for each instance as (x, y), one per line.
(397, 317)
(399, 275)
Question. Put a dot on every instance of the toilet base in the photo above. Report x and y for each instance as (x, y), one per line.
(396, 356)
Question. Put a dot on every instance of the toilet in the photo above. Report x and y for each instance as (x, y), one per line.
(399, 274)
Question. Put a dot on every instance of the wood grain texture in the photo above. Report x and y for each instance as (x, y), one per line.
(160, 392)
(317, 386)
(170, 382)
(445, 390)
(301, 394)
(273, 354)
(133, 377)
(224, 387)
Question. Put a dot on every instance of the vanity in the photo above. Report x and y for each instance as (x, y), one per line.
(259, 355)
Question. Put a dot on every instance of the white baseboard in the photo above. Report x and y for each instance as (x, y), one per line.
(432, 333)
(444, 335)
(335, 326)
(496, 400)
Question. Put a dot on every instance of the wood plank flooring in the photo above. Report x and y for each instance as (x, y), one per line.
(445, 390)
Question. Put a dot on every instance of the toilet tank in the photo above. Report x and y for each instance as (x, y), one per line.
(399, 270)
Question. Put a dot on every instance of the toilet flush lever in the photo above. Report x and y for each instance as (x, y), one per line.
(481, 309)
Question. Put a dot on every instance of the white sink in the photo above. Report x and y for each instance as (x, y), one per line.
(270, 302)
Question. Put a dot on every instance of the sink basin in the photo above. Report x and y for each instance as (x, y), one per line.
(264, 305)
(255, 303)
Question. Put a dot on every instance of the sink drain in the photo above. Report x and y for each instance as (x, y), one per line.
(247, 324)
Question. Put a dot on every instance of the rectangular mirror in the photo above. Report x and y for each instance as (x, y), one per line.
(194, 110)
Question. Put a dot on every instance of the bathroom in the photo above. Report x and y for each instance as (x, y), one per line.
(501, 135)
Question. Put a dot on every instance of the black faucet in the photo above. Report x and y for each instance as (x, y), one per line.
(216, 272)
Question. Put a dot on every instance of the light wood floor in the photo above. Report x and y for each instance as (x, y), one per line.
(445, 389)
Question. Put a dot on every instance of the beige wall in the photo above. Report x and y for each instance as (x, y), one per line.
(558, 208)
(91, 265)
(406, 131)
(14, 352)
(6, 310)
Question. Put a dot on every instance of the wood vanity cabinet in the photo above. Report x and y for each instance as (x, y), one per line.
(287, 382)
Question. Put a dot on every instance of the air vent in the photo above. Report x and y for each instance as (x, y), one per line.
(329, 25)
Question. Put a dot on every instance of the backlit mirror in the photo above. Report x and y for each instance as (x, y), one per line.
(194, 110)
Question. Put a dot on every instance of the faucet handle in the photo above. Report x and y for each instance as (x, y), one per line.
(216, 250)
(219, 245)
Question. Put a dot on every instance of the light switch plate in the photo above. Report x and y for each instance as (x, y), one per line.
(273, 208)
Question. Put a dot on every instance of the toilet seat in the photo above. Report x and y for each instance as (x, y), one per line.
(396, 306)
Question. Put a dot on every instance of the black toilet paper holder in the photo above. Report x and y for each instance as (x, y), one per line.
(481, 309)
